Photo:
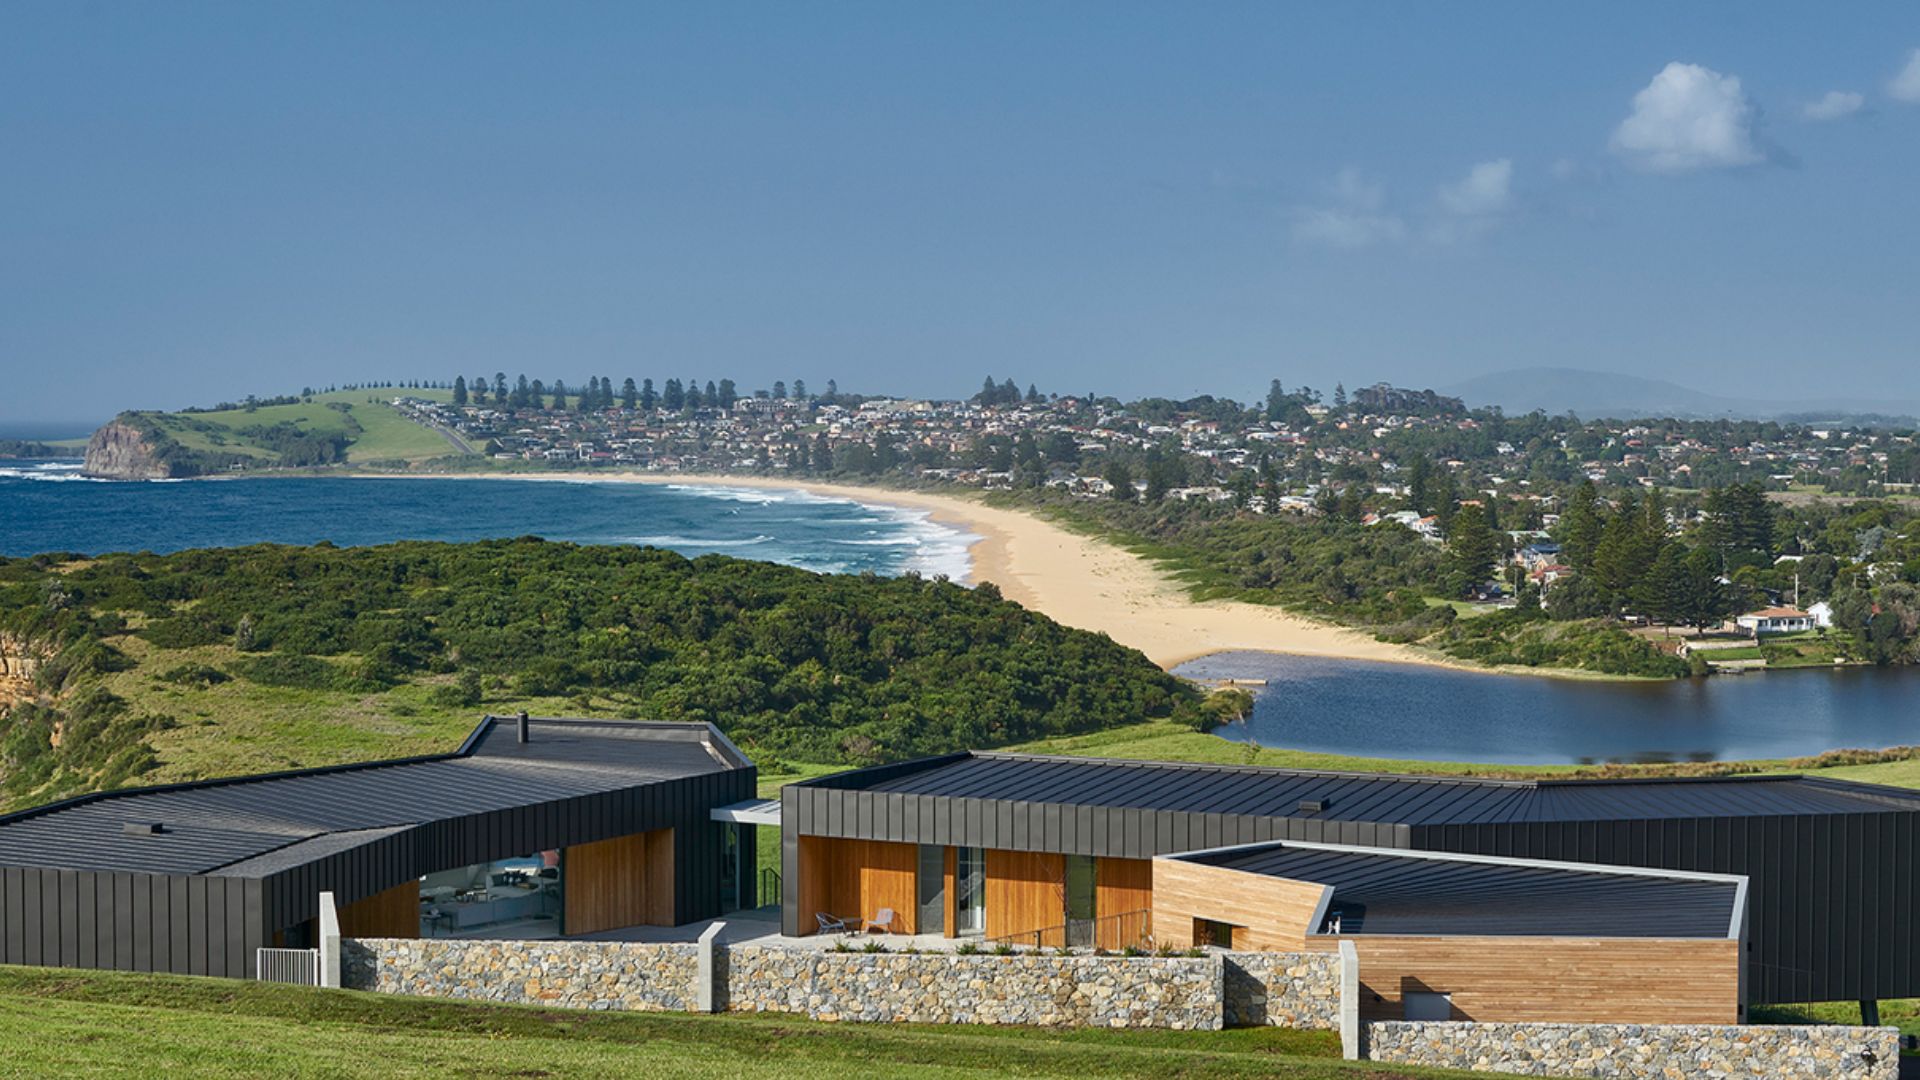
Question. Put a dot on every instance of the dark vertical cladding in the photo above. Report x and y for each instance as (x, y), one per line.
(212, 922)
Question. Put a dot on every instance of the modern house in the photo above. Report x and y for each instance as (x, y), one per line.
(533, 828)
(1775, 620)
(1074, 850)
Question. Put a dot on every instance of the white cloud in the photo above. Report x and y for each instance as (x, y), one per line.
(1689, 117)
(1486, 191)
(1906, 85)
(1835, 105)
(1355, 219)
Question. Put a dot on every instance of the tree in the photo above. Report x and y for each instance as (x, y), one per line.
(522, 393)
(478, 389)
(1660, 594)
(459, 389)
(1704, 601)
(630, 395)
(500, 388)
(779, 390)
(1419, 476)
(1580, 527)
(694, 400)
(1472, 549)
(673, 397)
(728, 394)
(647, 397)
(833, 389)
(1340, 396)
(1033, 394)
(1157, 475)
(536, 395)
(559, 395)
(800, 389)
(1121, 478)
(822, 454)
(1276, 402)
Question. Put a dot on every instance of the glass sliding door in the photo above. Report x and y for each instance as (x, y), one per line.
(933, 890)
(1080, 901)
(970, 891)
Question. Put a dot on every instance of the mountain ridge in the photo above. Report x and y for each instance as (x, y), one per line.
(1596, 394)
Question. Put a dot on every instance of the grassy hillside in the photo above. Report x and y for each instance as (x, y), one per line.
(80, 1023)
(370, 429)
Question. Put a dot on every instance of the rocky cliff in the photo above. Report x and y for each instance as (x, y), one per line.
(121, 451)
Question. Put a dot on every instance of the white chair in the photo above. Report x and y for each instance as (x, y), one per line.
(883, 921)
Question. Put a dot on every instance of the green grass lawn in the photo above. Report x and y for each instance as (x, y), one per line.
(384, 435)
(86, 1023)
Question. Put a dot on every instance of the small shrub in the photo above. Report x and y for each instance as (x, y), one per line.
(841, 946)
(873, 947)
(1131, 950)
(200, 675)
(1003, 949)
(966, 948)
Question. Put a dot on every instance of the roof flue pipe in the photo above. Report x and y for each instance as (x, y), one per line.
(526, 729)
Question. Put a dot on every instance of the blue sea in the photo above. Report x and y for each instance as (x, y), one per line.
(49, 506)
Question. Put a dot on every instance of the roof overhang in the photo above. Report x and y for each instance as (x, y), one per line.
(749, 812)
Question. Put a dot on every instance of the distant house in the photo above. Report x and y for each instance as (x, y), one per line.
(1822, 614)
(1775, 620)
(1535, 556)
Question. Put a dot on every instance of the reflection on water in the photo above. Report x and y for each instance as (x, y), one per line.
(1406, 711)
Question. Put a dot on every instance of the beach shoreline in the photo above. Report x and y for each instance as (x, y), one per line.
(1078, 580)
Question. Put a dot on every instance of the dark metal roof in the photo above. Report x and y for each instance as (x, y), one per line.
(1404, 800)
(236, 825)
(1399, 892)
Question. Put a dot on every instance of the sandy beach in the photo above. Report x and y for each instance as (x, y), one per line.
(1083, 582)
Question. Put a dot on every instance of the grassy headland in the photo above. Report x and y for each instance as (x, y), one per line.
(345, 427)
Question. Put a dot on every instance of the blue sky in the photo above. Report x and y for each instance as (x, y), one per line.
(199, 201)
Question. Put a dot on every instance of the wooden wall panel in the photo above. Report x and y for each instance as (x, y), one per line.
(1269, 914)
(1026, 890)
(622, 881)
(393, 913)
(854, 879)
(1121, 886)
(1574, 980)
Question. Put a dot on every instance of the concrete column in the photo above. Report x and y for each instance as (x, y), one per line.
(329, 942)
(1350, 1047)
(707, 996)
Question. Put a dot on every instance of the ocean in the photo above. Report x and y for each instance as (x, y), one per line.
(48, 506)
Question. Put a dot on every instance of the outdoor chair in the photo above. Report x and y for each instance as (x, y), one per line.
(830, 924)
(882, 921)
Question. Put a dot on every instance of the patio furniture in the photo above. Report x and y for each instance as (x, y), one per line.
(830, 924)
(883, 921)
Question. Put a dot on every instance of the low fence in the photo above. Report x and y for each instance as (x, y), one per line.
(300, 967)
(1114, 933)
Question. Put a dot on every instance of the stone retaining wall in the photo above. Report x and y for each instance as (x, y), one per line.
(1182, 993)
(1633, 1051)
(574, 974)
(1298, 990)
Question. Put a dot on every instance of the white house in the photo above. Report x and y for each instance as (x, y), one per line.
(1775, 620)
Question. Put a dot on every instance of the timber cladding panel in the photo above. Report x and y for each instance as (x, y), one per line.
(1121, 886)
(1572, 980)
(623, 881)
(1026, 891)
(854, 880)
(1268, 914)
(393, 913)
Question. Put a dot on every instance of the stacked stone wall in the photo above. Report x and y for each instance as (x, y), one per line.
(572, 974)
(1643, 1052)
(1180, 993)
(1297, 990)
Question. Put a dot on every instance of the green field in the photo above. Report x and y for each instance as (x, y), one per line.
(378, 431)
(85, 1023)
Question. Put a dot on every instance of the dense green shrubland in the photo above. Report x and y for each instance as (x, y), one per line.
(825, 668)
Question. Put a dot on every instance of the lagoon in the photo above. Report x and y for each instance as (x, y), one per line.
(1389, 710)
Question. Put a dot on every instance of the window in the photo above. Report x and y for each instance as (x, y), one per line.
(933, 889)
(1080, 901)
(1427, 1005)
(970, 891)
(520, 897)
(1208, 932)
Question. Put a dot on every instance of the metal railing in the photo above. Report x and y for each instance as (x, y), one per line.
(1127, 930)
(300, 967)
(769, 886)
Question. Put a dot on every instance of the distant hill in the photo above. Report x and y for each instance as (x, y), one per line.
(344, 427)
(1595, 394)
